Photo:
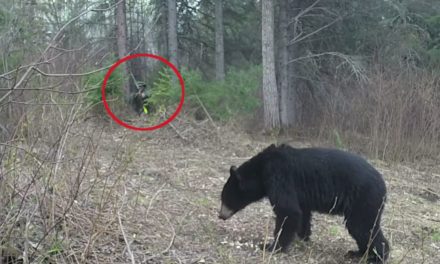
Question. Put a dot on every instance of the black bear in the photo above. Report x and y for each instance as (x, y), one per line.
(298, 182)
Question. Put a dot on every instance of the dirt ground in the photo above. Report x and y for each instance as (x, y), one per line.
(153, 197)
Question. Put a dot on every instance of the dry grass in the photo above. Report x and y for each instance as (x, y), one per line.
(395, 115)
(128, 197)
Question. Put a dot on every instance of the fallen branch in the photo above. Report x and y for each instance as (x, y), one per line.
(178, 133)
(170, 244)
(206, 111)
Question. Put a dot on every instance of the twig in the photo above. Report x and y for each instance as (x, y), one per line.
(170, 244)
(266, 238)
(17, 84)
(276, 241)
(73, 20)
(26, 242)
(154, 197)
(298, 39)
(3, 75)
(32, 67)
(35, 157)
(69, 74)
(209, 117)
(204, 110)
(300, 14)
(178, 133)
(50, 90)
(127, 244)
(357, 69)
(334, 205)
(55, 103)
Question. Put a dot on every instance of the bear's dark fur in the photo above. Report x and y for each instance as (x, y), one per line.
(298, 182)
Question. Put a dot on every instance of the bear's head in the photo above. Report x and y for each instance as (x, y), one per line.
(243, 187)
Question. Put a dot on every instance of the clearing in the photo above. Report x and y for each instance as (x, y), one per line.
(153, 197)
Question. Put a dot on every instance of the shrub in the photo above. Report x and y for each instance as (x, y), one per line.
(236, 95)
(113, 89)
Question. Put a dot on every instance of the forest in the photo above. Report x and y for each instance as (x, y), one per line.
(120, 120)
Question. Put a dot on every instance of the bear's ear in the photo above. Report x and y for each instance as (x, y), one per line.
(271, 147)
(234, 172)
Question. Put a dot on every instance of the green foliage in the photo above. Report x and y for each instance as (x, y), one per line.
(236, 95)
(113, 89)
(241, 35)
(334, 231)
(338, 140)
(3, 19)
(436, 236)
(434, 56)
(242, 87)
(56, 248)
(165, 91)
(413, 31)
(433, 25)
(15, 59)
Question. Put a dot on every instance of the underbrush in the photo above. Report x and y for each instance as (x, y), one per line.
(392, 116)
(221, 100)
(113, 91)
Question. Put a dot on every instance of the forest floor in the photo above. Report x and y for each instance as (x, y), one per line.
(153, 197)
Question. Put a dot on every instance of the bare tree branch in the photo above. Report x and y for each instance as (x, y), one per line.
(299, 38)
(70, 74)
(305, 11)
(357, 69)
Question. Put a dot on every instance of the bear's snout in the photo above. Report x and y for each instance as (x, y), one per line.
(225, 212)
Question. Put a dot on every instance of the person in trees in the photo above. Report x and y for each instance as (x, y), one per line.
(140, 99)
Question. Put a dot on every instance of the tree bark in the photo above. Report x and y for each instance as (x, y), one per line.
(287, 90)
(163, 33)
(172, 32)
(219, 45)
(121, 41)
(137, 65)
(270, 91)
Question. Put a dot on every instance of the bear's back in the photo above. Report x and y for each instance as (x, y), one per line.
(323, 179)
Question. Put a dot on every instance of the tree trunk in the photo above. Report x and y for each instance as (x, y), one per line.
(172, 32)
(287, 90)
(121, 41)
(219, 45)
(137, 67)
(270, 91)
(163, 30)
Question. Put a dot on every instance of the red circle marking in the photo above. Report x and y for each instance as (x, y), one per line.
(133, 56)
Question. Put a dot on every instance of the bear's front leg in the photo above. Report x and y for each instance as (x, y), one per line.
(275, 245)
(287, 223)
(305, 229)
(288, 215)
